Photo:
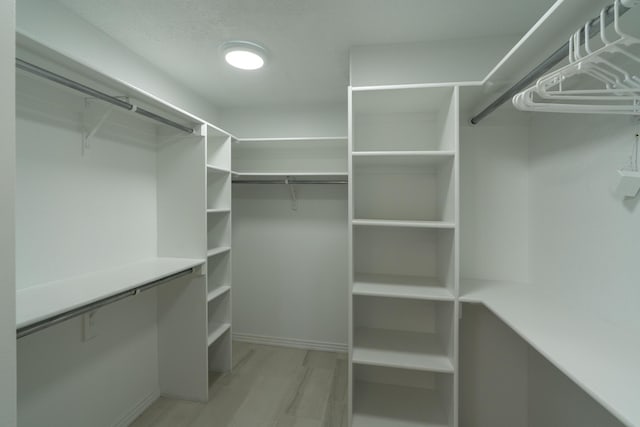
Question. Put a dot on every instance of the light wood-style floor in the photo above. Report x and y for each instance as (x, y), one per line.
(268, 387)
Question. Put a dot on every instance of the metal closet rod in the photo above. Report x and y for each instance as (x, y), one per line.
(282, 181)
(41, 72)
(54, 320)
(554, 59)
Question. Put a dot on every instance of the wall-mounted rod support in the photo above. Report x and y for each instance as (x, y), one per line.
(59, 318)
(41, 72)
(554, 59)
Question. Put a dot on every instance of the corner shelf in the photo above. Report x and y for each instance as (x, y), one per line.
(215, 334)
(215, 169)
(400, 349)
(395, 286)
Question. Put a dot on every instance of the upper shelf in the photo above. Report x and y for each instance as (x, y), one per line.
(294, 177)
(599, 356)
(42, 302)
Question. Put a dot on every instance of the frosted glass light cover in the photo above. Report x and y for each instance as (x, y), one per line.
(244, 59)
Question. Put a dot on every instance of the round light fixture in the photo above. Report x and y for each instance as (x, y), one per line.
(244, 55)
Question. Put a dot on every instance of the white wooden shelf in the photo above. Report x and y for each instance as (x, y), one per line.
(394, 286)
(401, 158)
(217, 292)
(403, 224)
(217, 251)
(216, 333)
(44, 301)
(599, 356)
(302, 138)
(384, 405)
(400, 349)
(215, 169)
(219, 210)
(294, 175)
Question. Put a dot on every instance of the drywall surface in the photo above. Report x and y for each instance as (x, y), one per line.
(7, 200)
(428, 62)
(585, 240)
(57, 27)
(290, 277)
(319, 120)
(102, 382)
(494, 202)
(554, 400)
(493, 371)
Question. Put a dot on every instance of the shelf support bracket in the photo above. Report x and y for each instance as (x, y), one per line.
(292, 192)
(92, 129)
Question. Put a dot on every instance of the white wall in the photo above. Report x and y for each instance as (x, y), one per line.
(290, 267)
(428, 62)
(494, 202)
(7, 194)
(585, 240)
(57, 27)
(65, 381)
(318, 120)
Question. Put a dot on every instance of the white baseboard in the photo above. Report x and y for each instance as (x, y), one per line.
(290, 342)
(135, 412)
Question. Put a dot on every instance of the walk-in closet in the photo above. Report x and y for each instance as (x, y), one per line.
(319, 214)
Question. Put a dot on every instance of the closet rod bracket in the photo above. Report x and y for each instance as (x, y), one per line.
(92, 127)
(292, 192)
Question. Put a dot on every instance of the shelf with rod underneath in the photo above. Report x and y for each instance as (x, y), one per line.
(216, 169)
(41, 302)
(400, 349)
(403, 223)
(289, 177)
(579, 343)
(396, 286)
(402, 158)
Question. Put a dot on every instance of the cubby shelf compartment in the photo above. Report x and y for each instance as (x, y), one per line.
(215, 334)
(385, 405)
(217, 292)
(217, 251)
(396, 286)
(400, 349)
(403, 224)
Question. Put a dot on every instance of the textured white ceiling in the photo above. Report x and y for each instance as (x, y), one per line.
(308, 40)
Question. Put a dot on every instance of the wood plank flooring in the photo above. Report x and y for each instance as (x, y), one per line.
(268, 387)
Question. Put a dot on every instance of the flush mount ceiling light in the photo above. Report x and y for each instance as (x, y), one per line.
(244, 55)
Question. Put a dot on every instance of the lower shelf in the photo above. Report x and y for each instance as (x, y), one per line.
(217, 333)
(383, 405)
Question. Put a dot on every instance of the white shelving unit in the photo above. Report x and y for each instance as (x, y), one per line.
(404, 256)
(108, 202)
(218, 165)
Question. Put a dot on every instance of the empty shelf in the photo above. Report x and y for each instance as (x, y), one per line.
(403, 224)
(401, 158)
(400, 349)
(383, 405)
(215, 293)
(293, 176)
(600, 356)
(218, 251)
(44, 301)
(215, 169)
(379, 285)
(216, 333)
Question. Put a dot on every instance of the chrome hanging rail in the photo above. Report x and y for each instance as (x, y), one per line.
(59, 318)
(554, 59)
(283, 181)
(41, 72)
